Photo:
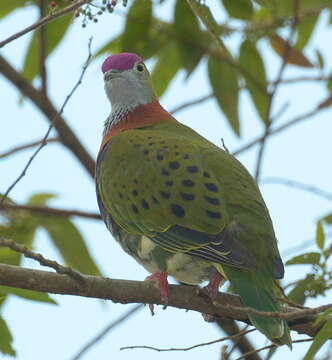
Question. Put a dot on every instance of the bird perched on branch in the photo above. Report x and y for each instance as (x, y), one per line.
(180, 205)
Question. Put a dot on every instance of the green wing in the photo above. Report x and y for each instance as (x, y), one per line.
(163, 186)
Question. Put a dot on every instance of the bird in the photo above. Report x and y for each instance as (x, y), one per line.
(179, 204)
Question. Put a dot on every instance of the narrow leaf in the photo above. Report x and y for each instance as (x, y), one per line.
(40, 199)
(327, 219)
(307, 258)
(27, 294)
(239, 9)
(188, 33)
(136, 32)
(7, 6)
(323, 335)
(298, 293)
(305, 30)
(320, 235)
(294, 56)
(165, 69)
(55, 31)
(224, 82)
(251, 60)
(320, 59)
(70, 243)
(6, 339)
(323, 316)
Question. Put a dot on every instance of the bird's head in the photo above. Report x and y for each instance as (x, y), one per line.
(127, 81)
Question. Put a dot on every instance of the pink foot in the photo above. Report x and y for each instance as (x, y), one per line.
(160, 278)
(212, 288)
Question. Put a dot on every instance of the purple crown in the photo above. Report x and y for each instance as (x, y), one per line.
(123, 61)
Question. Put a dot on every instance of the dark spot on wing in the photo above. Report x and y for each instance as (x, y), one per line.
(213, 201)
(211, 187)
(165, 195)
(188, 183)
(177, 210)
(187, 196)
(213, 214)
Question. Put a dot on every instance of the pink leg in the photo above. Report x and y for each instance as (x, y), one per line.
(160, 278)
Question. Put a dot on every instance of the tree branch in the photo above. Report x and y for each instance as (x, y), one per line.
(125, 292)
(298, 185)
(66, 135)
(25, 146)
(11, 244)
(50, 211)
(105, 331)
(274, 90)
(50, 17)
(321, 106)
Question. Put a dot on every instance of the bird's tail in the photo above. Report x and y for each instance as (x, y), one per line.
(260, 291)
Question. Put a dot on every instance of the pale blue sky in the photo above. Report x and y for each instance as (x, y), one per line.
(302, 153)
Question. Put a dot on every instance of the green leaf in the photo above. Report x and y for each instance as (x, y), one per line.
(320, 59)
(251, 60)
(327, 219)
(165, 69)
(323, 335)
(188, 34)
(70, 243)
(55, 31)
(136, 32)
(323, 316)
(27, 294)
(7, 6)
(40, 199)
(298, 293)
(307, 258)
(159, 37)
(224, 82)
(111, 47)
(305, 30)
(239, 9)
(320, 235)
(6, 339)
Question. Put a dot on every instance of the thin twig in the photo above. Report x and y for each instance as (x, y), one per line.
(25, 146)
(50, 17)
(273, 92)
(283, 127)
(11, 244)
(235, 345)
(44, 140)
(191, 103)
(50, 211)
(106, 330)
(290, 302)
(297, 185)
(66, 135)
(242, 333)
(244, 356)
(281, 315)
(42, 49)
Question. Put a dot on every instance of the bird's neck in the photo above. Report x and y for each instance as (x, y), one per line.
(124, 118)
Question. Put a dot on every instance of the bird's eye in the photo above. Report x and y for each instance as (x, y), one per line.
(140, 67)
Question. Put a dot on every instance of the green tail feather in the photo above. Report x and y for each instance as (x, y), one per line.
(260, 291)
